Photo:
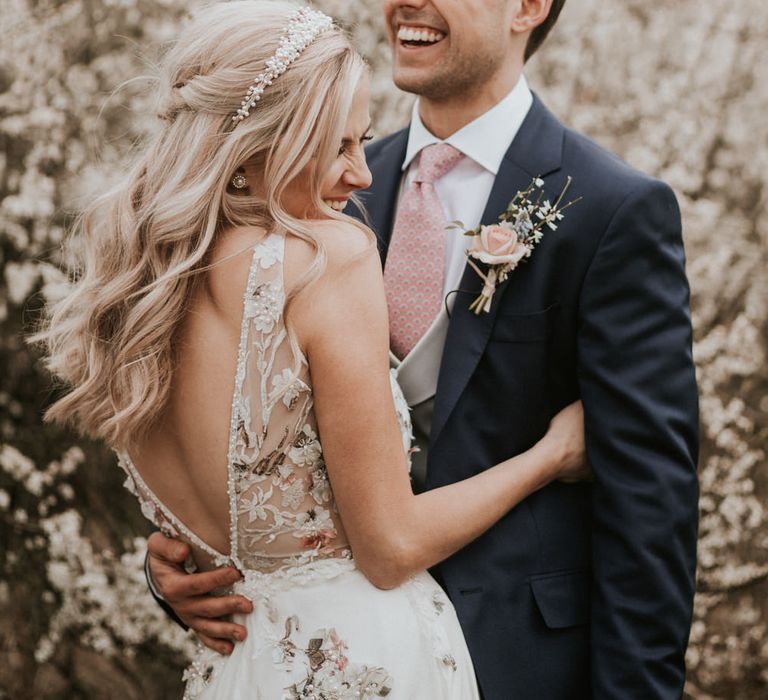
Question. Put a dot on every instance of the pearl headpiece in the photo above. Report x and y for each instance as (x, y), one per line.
(304, 26)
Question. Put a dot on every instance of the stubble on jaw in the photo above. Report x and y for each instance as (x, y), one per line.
(459, 76)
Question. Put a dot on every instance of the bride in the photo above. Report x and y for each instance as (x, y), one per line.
(227, 317)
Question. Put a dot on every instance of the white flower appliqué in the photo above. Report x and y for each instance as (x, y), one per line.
(269, 252)
(265, 306)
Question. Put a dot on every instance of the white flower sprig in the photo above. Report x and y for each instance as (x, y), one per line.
(502, 246)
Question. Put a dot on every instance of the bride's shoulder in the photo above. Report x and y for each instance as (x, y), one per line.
(342, 236)
(228, 267)
(350, 284)
(343, 243)
(341, 240)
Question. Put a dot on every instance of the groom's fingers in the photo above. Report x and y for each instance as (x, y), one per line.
(221, 632)
(190, 595)
(179, 584)
(167, 548)
(218, 606)
(220, 645)
(175, 584)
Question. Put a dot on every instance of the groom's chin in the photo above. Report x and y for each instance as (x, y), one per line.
(409, 80)
(421, 81)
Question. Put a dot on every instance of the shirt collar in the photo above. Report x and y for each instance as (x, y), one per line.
(502, 121)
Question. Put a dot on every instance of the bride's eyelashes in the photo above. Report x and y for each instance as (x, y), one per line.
(346, 143)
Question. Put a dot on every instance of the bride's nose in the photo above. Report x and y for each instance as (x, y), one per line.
(357, 174)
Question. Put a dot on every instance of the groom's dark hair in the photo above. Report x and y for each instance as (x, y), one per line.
(540, 33)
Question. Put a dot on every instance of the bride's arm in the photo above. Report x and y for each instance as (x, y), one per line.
(342, 325)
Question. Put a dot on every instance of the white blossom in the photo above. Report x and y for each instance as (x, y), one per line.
(676, 89)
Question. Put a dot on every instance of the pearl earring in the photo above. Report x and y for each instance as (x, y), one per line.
(239, 182)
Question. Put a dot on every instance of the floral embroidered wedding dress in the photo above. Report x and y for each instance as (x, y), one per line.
(319, 628)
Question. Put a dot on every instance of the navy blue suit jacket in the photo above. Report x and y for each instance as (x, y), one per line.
(582, 590)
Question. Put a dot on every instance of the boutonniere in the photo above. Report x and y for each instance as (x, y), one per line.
(504, 245)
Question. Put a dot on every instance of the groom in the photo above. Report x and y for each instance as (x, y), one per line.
(584, 590)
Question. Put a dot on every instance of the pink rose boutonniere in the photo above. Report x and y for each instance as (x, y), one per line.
(504, 245)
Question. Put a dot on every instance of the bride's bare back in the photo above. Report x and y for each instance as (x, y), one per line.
(183, 459)
(243, 479)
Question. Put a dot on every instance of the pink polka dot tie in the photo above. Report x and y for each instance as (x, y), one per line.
(413, 275)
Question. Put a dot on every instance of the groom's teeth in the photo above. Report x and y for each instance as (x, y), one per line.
(424, 35)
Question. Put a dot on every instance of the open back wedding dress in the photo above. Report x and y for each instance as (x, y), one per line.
(319, 628)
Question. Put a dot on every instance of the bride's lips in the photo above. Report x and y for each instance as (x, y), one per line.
(416, 36)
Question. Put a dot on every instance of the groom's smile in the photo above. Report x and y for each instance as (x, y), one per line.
(418, 45)
(417, 32)
(445, 49)
(418, 36)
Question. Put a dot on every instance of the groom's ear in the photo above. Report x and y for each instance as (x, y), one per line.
(537, 17)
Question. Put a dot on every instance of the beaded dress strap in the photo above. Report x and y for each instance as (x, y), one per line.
(271, 249)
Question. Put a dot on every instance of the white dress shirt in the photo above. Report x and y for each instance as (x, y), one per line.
(463, 192)
(465, 189)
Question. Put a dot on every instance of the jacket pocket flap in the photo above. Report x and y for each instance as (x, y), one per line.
(562, 598)
(522, 328)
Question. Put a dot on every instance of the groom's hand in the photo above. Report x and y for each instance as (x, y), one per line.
(190, 595)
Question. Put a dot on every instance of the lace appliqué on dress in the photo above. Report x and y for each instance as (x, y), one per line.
(201, 672)
(281, 504)
(429, 601)
(403, 415)
(319, 667)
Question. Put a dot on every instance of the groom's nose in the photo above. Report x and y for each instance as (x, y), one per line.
(391, 5)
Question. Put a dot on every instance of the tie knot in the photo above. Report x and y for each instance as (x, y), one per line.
(436, 160)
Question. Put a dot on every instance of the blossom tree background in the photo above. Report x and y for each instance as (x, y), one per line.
(677, 89)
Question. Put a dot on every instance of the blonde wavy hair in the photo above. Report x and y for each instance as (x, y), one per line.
(144, 243)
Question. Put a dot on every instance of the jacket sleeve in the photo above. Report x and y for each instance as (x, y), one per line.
(638, 385)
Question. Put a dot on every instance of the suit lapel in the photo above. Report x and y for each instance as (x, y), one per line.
(535, 151)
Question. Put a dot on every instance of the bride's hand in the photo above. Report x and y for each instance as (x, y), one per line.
(565, 438)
